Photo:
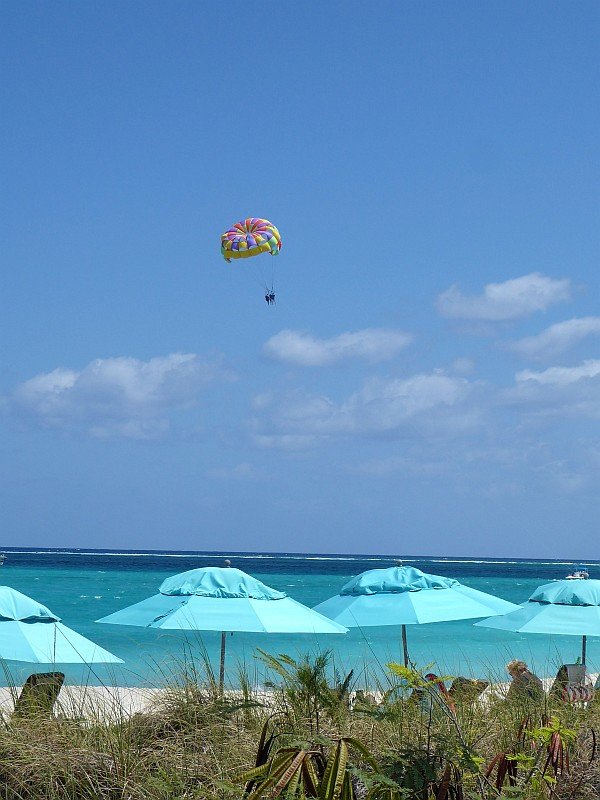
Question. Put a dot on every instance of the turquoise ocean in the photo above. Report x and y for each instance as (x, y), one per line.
(81, 586)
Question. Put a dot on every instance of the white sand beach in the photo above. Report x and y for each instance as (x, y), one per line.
(112, 703)
(93, 702)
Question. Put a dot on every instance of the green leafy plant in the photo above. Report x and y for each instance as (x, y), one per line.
(319, 770)
(557, 739)
(305, 689)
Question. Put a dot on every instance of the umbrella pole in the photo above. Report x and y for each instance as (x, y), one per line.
(405, 645)
(583, 649)
(222, 664)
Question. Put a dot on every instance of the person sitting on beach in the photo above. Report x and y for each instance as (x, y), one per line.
(463, 691)
(524, 684)
(432, 693)
(573, 684)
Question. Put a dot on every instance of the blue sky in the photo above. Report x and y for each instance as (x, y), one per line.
(429, 381)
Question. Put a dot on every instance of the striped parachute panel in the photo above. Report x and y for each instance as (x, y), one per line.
(250, 237)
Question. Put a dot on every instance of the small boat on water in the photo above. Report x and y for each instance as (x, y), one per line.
(578, 574)
(2, 558)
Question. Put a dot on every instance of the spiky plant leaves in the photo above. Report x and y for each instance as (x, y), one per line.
(347, 792)
(310, 778)
(366, 755)
(289, 780)
(294, 786)
(342, 686)
(277, 774)
(252, 775)
(335, 771)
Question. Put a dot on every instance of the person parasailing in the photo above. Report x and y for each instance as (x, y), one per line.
(252, 237)
(270, 296)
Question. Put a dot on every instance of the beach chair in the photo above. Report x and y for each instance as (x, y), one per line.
(463, 691)
(572, 684)
(39, 694)
(466, 690)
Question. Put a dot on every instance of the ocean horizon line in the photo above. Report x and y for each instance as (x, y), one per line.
(285, 555)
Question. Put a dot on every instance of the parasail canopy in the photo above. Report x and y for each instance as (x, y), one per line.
(250, 237)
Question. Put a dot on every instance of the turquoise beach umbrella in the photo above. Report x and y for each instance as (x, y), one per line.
(565, 608)
(222, 599)
(406, 596)
(31, 632)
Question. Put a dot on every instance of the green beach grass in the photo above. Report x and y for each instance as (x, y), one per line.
(305, 735)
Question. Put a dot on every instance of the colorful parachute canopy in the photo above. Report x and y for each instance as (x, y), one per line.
(250, 237)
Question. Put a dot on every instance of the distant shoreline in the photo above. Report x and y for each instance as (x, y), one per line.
(285, 555)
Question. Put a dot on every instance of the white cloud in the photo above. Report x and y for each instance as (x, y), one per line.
(556, 339)
(462, 366)
(561, 376)
(427, 404)
(559, 391)
(443, 427)
(116, 397)
(512, 299)
(305, 350)
(386, 405)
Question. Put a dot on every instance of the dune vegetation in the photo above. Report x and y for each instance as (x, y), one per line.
(310, 735)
